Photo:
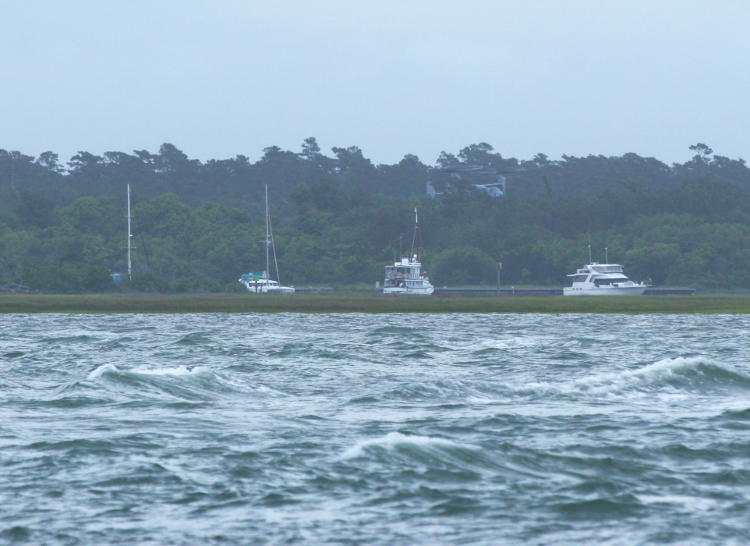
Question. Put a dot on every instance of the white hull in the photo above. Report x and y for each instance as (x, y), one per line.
(597, 279)
(605, 291)
(410, 291)
(258, 288)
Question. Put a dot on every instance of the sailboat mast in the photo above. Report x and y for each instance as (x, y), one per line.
(130, 236)
(268, 240)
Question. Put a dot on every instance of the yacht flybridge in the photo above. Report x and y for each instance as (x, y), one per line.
(597, 279)
(405, 275)
(261, 282)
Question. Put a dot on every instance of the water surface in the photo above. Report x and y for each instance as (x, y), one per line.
(377, 429)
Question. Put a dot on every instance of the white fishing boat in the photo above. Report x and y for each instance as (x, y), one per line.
(261, 282)
(405, 275)
(595, 279)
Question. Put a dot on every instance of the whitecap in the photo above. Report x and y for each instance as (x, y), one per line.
(661, 373)
(689, 502)
(656, 373)
(393, 440)
(103, 369)
(177, 371)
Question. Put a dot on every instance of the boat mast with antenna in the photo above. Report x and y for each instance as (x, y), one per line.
(416, 228)
(268, 241)
(130, 237)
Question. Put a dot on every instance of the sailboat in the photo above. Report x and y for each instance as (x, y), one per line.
(260, 282)
(130, 239)
(117, 277)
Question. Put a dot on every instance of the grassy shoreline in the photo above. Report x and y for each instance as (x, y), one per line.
(358, 303)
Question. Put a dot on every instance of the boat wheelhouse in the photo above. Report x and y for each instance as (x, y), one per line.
(405, 277)
(597, 279)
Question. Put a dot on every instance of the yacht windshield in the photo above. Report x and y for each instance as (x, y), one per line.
(606, 282)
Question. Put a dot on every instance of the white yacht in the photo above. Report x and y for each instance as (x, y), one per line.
(405, 275)
(597, 279)
(261, 282)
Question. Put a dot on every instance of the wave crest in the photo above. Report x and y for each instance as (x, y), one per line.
(181, 382)
(177, 371)
(102, 370)
(691, 373)
(395, 440)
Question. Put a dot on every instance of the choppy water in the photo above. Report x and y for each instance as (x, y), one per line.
(382, 429)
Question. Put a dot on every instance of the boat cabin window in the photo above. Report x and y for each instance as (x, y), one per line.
(607, 282)
(580, 278)
(608, 268)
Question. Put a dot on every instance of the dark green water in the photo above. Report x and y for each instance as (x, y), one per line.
(374, 429)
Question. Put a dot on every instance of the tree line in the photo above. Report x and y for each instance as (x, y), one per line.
(339, 218)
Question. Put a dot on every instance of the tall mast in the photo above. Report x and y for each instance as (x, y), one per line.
(416, 227)
(130, 236)
(268, 240)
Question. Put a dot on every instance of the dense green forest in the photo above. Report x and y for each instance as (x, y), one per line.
(338, 219)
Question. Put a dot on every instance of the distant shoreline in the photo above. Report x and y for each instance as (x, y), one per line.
(359, 303)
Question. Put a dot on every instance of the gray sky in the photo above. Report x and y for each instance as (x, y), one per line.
(226, 77)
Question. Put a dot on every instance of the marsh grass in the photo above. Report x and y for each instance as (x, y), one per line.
(357, 302)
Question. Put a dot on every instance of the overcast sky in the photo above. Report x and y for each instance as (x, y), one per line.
(225, 77)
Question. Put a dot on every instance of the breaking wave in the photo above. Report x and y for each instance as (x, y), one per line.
(179, 371)
(395, 441)
(183, 382)
(694, 374)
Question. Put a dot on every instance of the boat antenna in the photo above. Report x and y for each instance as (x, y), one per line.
(589, 245)
(130, 237)
(606, 255)
(416, 228)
